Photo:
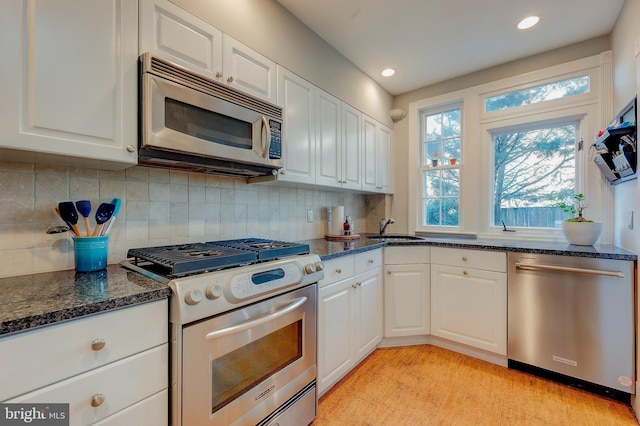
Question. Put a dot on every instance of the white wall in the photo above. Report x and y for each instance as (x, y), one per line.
(625, 82)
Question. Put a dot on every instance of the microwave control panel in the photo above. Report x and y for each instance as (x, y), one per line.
(275, 147)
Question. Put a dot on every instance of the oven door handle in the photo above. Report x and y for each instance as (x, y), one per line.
(256, 322)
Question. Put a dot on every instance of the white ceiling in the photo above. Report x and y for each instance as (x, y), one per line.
(428, 41)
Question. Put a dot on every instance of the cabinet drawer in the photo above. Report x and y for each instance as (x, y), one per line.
(368, 260)
(121, 384)
(406, 255)
(153, 411)
(337, 269)
(63, 350)
(468, 258)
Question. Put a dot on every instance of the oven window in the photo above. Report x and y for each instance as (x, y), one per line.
(238, 371)
(207, 125)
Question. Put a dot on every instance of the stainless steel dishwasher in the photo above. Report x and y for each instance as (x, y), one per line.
(571, 319)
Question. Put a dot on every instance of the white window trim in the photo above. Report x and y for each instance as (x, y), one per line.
(475, 123)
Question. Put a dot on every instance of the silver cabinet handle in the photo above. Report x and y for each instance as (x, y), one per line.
(541, 267)
(98, 344)
(219, 74)
(131, 148)
(229, 79)
(97, 400)
(339, 271)
(371, 260)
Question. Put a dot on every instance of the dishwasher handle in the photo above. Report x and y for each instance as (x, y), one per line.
(541, 267)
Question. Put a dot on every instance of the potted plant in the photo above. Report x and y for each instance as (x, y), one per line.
(577, 229)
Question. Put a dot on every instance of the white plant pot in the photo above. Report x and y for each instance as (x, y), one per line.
(581, 233)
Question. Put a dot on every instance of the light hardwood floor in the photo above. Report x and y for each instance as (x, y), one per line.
(428, 385)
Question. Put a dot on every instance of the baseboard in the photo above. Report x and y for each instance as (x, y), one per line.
(391, 342)
(469, 351)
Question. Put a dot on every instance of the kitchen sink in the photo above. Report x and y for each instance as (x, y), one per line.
(394, 238)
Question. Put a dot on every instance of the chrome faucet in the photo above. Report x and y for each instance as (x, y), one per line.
(384, 224)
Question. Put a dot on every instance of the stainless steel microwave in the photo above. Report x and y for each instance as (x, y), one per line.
(193, 123)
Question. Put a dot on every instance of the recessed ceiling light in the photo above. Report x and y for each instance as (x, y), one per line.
(528, 22)
(388, 72)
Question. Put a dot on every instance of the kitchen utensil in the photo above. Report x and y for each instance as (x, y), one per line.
(69, 214)
(58, 229)
(116, 202)
(68, 223)
(103, 214)
(84, 208)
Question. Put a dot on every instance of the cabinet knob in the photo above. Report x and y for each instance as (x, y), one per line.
(339, 271)
(97, 400)
(354, 285)
(97, 344)
(229, 79)
(358, 284)
(388, 272)
(371, 260)
(464, 258)
(465, 273)
(131, 148)
(219, 74)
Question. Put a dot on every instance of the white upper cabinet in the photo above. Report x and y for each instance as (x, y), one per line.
(351, 149)
(247, 70)
(297, 97)
(328, 133)
(69, 82)
(172, 33)
(169, 31)
(376, 145)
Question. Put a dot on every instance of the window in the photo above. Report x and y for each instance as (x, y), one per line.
(439, 165)
(539, 93)
(515, 144)
(529, 164)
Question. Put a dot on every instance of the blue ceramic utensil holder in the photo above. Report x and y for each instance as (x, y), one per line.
(91, 253)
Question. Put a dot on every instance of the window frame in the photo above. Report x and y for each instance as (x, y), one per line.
(442, 108)
(474, 181)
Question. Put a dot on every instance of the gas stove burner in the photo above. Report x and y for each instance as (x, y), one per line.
(206, 253)
(188, 259)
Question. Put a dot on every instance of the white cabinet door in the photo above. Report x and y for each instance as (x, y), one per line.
(297, 97)
(406, 300)
(172, 33)
(383, 146)
(368, 311)
(336, 327)
(469, 306)
(328, 140)
(376, 144)
(69, 81)
(350, 153)
(247, 70)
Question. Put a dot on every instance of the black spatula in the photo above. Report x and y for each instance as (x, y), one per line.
(69, 214)
(103, 214)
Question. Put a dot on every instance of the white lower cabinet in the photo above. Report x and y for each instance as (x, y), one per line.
(110, 368)
(406, 291)
(349, 314)
(469, 298)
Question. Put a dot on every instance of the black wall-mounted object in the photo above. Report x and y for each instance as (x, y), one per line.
(615, 147)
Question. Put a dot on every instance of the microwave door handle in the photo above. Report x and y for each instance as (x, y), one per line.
(243, 326)
(265, 126)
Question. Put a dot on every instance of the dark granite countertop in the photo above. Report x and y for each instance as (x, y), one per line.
(30, 301)
(332, 249)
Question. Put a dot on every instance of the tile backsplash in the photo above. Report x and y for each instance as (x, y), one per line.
(159, 207)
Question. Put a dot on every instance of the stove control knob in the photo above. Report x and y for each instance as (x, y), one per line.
(319, 266)
(310, 268)
(193, 297)
(213, 292)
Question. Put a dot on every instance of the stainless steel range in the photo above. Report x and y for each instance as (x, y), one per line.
(243, 330)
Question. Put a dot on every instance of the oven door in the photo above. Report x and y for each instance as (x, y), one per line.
(241, 366)
(179, 118)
